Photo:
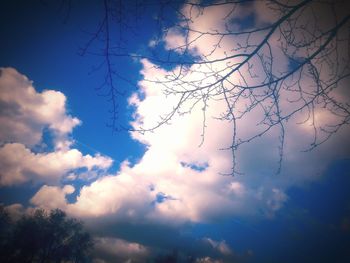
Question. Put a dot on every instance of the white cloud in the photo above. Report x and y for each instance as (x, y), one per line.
(25, 114)
(19, 164)
(15, 211)
(169, 193)
(52, 197)
(208, 260)
(164, 187)
(159, 188)
(220, 246)
(174, 40)
(120, 250)
(124, 195)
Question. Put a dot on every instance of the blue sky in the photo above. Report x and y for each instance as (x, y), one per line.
(145, 195)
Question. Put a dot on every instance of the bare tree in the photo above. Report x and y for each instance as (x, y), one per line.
(275, 58)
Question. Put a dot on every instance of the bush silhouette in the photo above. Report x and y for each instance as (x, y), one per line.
(43, 237)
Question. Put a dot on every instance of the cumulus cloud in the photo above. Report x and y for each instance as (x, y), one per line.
(165, 185)
(52, 197)
(15, 211)
(221, 246)
(208, 260)
(25, 114)
(118, 250)
(19, 164)
(176, 181)
(169, 194)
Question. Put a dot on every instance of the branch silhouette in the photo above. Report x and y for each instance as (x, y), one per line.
(292, 63)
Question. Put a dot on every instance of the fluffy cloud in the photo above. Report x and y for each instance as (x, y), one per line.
(25, 114)
(221, 246)
(52, 197)
(15, 211)
(170, 193)
(19, 164)
(118, 250)
(208, 260)
(176, 181)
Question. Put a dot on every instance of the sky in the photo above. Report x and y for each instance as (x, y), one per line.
(146, 195)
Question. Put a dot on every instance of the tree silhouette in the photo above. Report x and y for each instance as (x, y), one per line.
(44, 237)
(5, 228)
(275, 59)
